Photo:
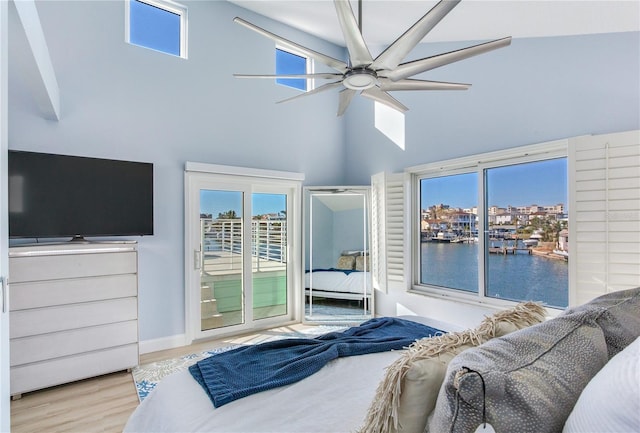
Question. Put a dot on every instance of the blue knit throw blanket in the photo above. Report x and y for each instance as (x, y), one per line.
(247, 370)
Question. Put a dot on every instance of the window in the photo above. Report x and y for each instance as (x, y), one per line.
(447, 218)
(291, 64)
(158, 25)
(390, 122)
(496, 229)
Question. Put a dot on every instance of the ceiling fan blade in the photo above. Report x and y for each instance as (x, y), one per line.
(322, 88)
(346, 96)
(411, 68)
(322, 58)
(384, 98)
(409, 84)
(327, 76)
(358, 52)
(393, 55)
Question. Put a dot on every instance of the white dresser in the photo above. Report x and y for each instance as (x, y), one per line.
(73, 312)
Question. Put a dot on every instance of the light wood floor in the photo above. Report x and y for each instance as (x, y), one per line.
(103, 404)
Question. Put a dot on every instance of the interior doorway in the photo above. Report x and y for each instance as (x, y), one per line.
(337, 280)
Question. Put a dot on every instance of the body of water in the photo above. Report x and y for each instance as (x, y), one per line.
(513, 277)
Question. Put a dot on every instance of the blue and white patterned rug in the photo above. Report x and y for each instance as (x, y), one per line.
(147, 376)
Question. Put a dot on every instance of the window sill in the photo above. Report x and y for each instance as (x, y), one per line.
(488, 303)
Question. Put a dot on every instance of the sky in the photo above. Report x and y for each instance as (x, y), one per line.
(541, 183)
(216, 202)
(154, 28)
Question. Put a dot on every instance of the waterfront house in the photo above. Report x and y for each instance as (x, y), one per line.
(563, 240)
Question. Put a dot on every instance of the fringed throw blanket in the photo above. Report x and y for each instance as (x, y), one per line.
(247, 370)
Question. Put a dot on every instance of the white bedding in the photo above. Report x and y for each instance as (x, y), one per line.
(335, 400)
(179, 404)
(339, 282)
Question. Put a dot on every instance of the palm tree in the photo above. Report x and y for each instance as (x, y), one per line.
(551, 231)
(230, 215)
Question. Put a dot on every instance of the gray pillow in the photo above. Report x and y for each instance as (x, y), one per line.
(527, 381)
(619, 318)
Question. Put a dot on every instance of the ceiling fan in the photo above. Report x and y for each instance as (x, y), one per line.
(374, 78)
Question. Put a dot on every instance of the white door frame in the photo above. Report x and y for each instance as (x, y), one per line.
(209, 176)
(365, 191)
(5, 404)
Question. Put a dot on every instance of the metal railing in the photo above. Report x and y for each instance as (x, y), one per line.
(268, 238)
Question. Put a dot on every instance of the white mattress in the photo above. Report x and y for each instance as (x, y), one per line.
(335, 400)
(337, 281)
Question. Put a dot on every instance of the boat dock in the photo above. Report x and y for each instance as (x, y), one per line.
(508, 250)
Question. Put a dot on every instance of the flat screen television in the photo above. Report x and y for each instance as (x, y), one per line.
(53, 196)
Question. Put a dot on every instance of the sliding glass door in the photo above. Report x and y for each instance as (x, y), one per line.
(221, 259)
(239, 266)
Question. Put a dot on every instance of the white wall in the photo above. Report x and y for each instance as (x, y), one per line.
(534, 91)
(125, 102)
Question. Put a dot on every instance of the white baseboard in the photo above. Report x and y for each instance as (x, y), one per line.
(164, 343)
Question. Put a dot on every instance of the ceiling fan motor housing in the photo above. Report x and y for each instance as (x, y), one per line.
(360, 79)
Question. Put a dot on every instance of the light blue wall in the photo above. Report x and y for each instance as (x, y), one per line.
(534, 91)
(125, 102)
(333, 232)
(348, 231)
(321, 232)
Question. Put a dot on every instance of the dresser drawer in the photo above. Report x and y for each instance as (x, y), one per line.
(36, 321)
(58, 344)
(37, 294)
(61, 266)
(39, 375)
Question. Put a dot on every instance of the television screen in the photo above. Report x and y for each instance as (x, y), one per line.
(59, 196)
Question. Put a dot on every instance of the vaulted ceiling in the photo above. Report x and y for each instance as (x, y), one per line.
(385, 20)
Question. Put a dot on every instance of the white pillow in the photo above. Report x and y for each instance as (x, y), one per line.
(611, 400)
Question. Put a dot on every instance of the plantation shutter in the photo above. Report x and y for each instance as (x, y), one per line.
(378, 237)
(605, 213)
(388, 230)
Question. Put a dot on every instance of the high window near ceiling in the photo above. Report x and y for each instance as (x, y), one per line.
(159, 25)
(288, 63)
(495, 230)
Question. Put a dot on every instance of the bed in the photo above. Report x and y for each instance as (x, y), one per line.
(179, 403)
(350, 279)
(516, 371)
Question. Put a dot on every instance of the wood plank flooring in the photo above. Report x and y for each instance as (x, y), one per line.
(104, 403)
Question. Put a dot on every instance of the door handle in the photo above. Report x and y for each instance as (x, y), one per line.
(197, 259)
(3, 289)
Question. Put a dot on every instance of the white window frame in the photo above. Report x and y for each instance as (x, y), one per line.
(169, 6)
(310, 66)
(476, 163)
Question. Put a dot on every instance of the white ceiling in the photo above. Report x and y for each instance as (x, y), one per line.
(386, 20)
(343, 201)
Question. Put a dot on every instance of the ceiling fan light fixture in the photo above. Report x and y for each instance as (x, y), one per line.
(360, 79)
